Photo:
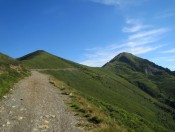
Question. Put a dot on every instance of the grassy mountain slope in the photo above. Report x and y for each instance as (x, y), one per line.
(120, 99)
(11, 71)
(155, 80)
(43, 60)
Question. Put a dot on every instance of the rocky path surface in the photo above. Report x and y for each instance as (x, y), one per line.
(35, 106)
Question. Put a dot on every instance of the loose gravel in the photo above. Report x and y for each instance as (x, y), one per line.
(35, 105)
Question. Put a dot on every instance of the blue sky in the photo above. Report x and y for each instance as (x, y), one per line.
(90, 32)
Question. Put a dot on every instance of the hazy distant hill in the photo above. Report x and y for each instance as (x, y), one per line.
(11, 71)
(135, 92)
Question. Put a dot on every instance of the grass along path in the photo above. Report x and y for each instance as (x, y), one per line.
(57, 69)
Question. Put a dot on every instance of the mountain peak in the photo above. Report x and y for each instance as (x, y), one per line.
(31, 55)
(124, 57)
(124, 54)
(136, 63)
(41, 59)
(39, 51)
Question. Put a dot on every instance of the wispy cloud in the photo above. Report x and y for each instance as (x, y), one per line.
(169, 51)
(134, 25)
(142, 49)
(102, 55)
(165, 14)
(150, 33)
(168, 61)
(134, 28)
(121, 3)
(165, 59)
(108, 2)
(138, 42)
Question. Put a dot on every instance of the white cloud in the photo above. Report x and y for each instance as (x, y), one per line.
(134, 25)
(140, 41)
(149, 33)
(171, 60)
(108, 2)
(134, 28)
(142, 49)
(165, 14)
(168, 61)
(169, 51)
(102, 55)
(96, 61)
(120, 3)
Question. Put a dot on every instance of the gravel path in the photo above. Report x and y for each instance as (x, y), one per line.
(35, 106)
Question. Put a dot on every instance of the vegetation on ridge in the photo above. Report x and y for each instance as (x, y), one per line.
(11, 71)
(155, 80)
(41, 60)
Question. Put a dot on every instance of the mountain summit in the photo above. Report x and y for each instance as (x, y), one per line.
(136, 64)
(32, 55)
(155, 80)
(41, 59)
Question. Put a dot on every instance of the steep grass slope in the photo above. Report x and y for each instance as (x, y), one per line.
(155, 80)
(119, 98)
(11, 71)
(43, 60)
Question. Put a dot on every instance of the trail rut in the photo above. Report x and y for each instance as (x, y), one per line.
(36, 106)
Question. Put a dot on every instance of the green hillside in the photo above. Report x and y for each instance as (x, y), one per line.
(43, 60)
(155, 80)
(118, 97)
(11, 71)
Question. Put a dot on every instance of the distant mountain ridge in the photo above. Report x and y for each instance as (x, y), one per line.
(155, 80)
(138, 64)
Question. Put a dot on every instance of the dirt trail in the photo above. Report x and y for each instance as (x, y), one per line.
(58, 69)
(35, 106)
